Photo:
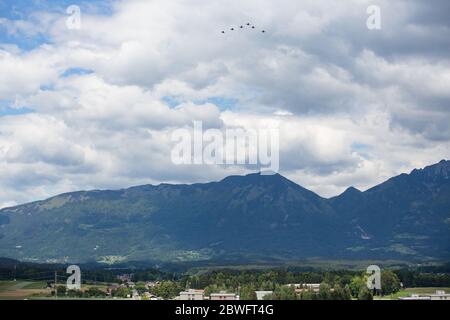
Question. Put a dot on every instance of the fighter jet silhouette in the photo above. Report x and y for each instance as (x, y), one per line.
(242, 27)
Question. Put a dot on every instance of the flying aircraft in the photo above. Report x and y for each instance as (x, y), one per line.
(242, 27)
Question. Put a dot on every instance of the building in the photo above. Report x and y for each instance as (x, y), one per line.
(439, 295)
(415, 297)
(300, 287)
(261, 294)
(192, 294)
(223, 296)
(125, 277)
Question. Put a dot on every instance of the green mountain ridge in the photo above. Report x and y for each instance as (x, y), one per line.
(241, 218)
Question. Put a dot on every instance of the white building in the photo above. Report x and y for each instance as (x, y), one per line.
(223, 296)
(192, 294)
(299, 287)
(415, 297)
(439, 295)
(261, 294)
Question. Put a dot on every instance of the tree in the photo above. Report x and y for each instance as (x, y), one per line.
(94, 292)
(340, 293)
(268, 296)
(356, 284)
(267, 286)
(284, 293)
(166, 290)
(140, 287)
(61, 290)
(325, 292)
(347, 293)
(214, 288)
(365, 294)
(308, 295)
(121, 292)
(248, 292)
(75, 293)
(390, 283)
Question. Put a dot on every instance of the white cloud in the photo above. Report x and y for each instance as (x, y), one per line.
(354, 106)
(24, 73)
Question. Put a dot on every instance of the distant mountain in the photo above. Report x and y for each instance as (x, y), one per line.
(241, 218)
(408, 215)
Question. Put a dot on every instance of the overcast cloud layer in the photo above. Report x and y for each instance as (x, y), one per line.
(95, 107)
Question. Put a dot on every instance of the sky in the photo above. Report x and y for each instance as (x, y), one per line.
(94, 107)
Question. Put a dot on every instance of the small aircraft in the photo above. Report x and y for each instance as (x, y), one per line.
(242, 27)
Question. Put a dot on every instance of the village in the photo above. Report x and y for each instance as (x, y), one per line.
(231, 286)
(137, 292)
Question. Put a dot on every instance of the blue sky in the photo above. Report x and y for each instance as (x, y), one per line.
(26, 10)
(21, 9)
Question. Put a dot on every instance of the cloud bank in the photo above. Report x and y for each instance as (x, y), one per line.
(354, 106)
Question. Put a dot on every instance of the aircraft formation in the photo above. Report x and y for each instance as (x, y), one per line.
(248, 26)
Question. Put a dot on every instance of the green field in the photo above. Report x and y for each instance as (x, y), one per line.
(22, 289)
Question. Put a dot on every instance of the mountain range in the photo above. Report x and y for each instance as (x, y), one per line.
(241, 218)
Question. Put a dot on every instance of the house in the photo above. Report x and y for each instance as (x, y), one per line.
(223, 296)
(261, 294)
(300, 287)
(415, 297)
(125, 277)
(192, 294)
(439, 295)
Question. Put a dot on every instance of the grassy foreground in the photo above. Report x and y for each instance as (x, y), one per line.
(20, 289)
